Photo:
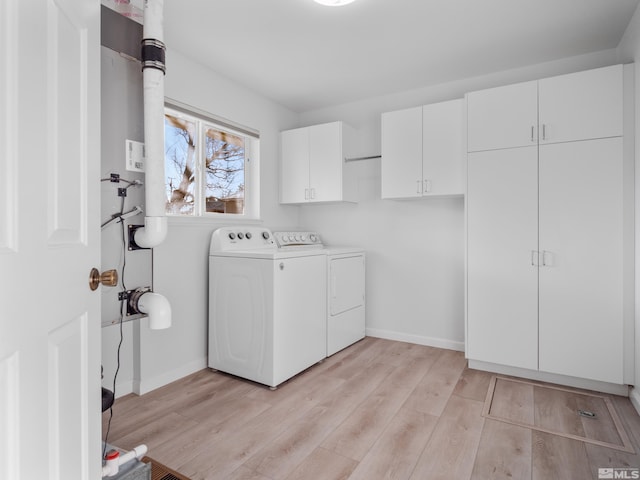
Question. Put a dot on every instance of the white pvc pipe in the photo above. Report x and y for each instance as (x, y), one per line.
(155, 223)
(157, 308)
(112, 466)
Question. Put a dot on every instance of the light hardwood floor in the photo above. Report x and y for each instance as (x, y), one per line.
(377, 410)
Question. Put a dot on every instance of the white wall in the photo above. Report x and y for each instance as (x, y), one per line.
(629, 51)
(415, 263)
(180, 264)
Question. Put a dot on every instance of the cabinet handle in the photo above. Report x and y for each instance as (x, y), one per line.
(532, 127)
(306, 194)
(313, 193)
(544, 259)
(427, 186)
(544, 132)
(533, 254)
(418, 185)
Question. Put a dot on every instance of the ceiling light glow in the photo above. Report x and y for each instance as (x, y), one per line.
(333, 3)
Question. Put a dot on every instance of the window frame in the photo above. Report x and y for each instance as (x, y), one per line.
(251, 138)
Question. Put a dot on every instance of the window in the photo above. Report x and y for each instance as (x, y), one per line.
(211, 166)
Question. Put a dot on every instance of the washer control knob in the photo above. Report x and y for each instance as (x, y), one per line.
(232, 236)
(240, 235)
(248, 235)
(265, 235)
(313, 237)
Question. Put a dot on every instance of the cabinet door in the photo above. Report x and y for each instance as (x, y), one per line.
(502, 117)
(442, 148)
(581, 233)
(402, 153)
(294, 165)
(325, 162)
(581, 106)
(502, 278)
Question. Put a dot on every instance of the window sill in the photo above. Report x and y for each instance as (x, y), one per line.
(183, 220)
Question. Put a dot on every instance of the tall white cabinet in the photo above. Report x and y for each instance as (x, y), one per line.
(549, 219)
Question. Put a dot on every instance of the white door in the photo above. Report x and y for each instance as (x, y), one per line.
(502, 117)
(325, 162)
(502, 276)
(582, 105)
(49, 239)
(294, 165)
(581, 273)
(402, 153)
(442, 148)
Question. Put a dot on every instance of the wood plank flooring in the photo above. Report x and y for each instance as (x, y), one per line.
(377, 410)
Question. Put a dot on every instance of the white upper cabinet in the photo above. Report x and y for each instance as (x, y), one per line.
(576, 106)
(581, 106)
(502, 117)
(422, 151)
(312, 167)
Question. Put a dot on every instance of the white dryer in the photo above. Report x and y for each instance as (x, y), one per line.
(345, 297)
(267, 306)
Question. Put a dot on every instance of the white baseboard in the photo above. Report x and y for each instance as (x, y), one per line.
(124, 388)
(612, 388)
(634, 396)
(142, 386)
(417, 339)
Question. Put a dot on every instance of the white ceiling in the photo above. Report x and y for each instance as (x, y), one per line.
(306, 56)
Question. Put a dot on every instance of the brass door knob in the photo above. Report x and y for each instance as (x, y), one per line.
(108, 278)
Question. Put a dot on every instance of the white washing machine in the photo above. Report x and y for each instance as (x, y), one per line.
(345, 287)
(267, 306)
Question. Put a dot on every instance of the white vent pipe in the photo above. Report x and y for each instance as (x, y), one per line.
(155, 222)
(154, 305)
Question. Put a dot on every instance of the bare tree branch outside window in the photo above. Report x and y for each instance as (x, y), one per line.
(223, 167)
(180, 151)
